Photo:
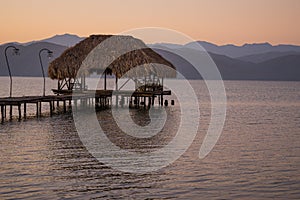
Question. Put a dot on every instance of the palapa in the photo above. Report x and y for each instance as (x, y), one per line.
(116, 54)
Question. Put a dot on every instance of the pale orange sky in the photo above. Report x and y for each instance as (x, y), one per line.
(217, 21)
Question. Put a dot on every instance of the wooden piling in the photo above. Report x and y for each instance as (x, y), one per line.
(37, 109)
(51, 108)
(65, 107)
(25, 110)
(40, 108)
(2, 113)
(10, 112)
(19, 109)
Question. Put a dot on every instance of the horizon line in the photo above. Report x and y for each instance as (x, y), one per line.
(198, 40)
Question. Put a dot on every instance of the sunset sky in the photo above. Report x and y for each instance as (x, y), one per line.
(217, 21)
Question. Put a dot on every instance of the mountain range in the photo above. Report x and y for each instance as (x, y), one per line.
(261, 61)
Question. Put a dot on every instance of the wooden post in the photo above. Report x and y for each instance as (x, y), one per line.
(65, 107)
(19, 109)
(37, 109)
(84, 84)
(153, 98)
(2, 112)
(105, 80)
(58, 85)
(117, 97)
(51, 109)
(53, 104)
(149, 102)
(10, 112)
(25, 110)
(40, 108)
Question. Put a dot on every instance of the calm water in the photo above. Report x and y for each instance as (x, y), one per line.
(256, 157)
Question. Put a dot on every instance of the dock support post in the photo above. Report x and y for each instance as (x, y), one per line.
(153, 98)
(10, 112)
(65, 108)
(5, 111)
(51, 108)
(37, 109)
(40, 108)
(19, 109)
(149, 102)
(2, 113)
(25, 110)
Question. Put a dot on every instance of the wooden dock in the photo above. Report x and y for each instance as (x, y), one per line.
(98, 98)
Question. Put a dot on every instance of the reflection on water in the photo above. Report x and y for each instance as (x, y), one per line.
(256, 157)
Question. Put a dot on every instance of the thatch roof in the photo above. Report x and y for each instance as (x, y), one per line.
(116, 54)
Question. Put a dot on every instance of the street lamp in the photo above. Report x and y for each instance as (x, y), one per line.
(16, 51)
(49, 56)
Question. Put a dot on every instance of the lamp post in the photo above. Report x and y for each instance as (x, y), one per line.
(49, 56)
(16, 51)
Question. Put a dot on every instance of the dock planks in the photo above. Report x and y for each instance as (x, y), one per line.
(83, 96)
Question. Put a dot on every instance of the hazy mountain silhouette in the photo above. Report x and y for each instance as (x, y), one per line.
(258, 58)
(245, 50)
(67, 40)
(247, 62)
(282, 68)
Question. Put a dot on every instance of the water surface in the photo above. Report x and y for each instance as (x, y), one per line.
(256, 157)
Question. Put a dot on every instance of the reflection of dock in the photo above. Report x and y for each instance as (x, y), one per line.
(98, 99)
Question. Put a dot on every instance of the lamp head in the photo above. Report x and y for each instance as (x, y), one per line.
(50, 54)
(16, 51)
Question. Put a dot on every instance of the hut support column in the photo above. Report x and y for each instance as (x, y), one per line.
(58, 85)
(117, 97)
(162, 96)
(105, 80)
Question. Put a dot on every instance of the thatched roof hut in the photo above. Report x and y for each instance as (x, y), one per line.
(115, 54)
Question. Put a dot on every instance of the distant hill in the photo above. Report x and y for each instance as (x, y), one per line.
(285, 68)
(258, 58)
(245, 50)
(248, 62)
(67, 40)
(234, 51)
